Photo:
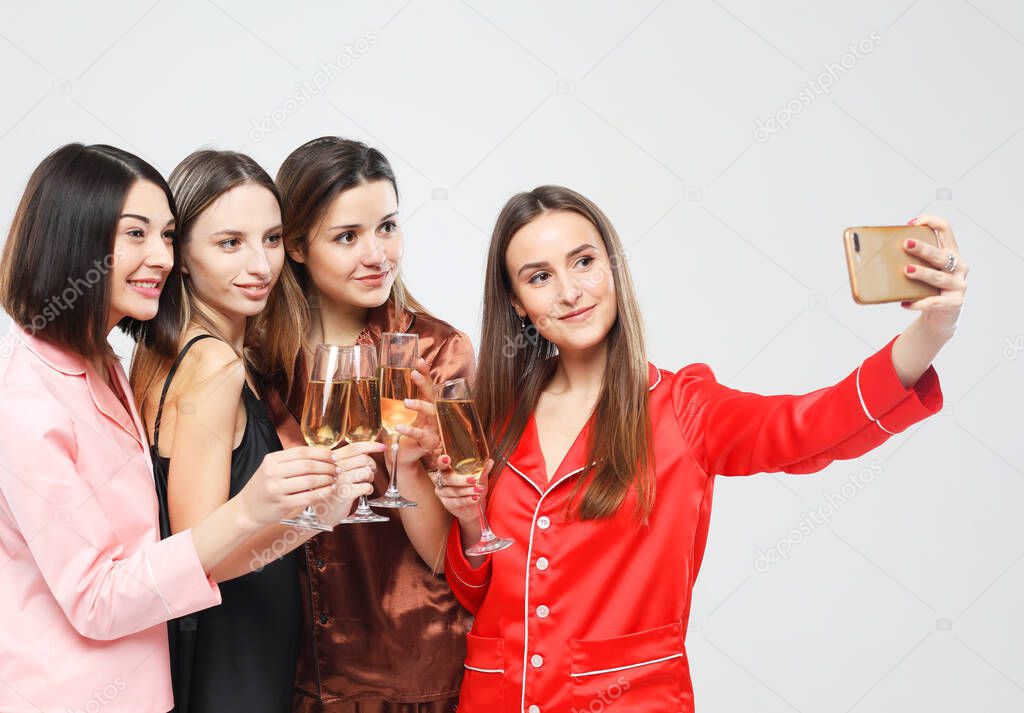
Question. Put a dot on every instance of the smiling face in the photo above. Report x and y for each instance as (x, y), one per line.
(143, 254)
(562, 280)
(234, 254)
(353, 254)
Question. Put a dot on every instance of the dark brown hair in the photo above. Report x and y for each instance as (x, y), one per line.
(509, 383)
(54, 278)
(311, 177)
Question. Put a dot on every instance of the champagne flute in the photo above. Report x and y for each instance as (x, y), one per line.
(359, 367)
(399, 352)
(324, 416)
(466, 445)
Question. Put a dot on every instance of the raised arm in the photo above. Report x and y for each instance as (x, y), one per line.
(735, 432)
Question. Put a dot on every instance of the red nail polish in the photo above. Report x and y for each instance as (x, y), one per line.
(471, 481)
(911, 268)
(911, 243)
(475, 498)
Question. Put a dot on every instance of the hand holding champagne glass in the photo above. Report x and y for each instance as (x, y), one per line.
(466, 445)
(324, 417)
(399, 353)
(359, 368)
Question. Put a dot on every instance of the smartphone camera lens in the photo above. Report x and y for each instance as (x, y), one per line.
(856, 242)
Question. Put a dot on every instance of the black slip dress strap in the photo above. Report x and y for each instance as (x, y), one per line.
(167, 384)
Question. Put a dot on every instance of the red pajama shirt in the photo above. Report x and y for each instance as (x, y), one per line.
(591, 615)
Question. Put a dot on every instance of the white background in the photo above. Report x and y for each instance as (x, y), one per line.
(910, 597)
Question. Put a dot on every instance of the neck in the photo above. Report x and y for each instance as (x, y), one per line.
(580, 372)
(337, 323)
(232, 327)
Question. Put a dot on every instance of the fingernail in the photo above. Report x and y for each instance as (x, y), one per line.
(904, 304)
(911, 243)
(475, 498)
(911, 221)
(910, 269)
(471, 481)
(478, 488)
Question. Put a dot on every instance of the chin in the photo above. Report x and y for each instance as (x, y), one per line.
(141, 312)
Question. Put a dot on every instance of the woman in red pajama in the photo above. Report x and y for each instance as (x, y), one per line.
(605, 464)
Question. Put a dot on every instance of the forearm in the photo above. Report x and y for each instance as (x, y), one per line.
(268, 545)
(426, 524)
(914, 350)
(222, 532)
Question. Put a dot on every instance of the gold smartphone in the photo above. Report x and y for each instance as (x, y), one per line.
(875, 259)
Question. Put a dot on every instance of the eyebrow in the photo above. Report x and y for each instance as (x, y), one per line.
(359, 225)
(143, 219)
(568, 255)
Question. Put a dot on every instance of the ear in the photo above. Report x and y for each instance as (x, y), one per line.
(518, 307)
(296, 252)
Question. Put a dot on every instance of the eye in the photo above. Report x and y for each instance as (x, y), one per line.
(137, 232)
(585, 261)
(274, 239)
(537, 278)
(346, 238)
(170, 235)
(389, 226)
(230, 243)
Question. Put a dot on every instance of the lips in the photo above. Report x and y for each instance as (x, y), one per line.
(578, 315)
(147, 288)
(374, 280)
(255, 290)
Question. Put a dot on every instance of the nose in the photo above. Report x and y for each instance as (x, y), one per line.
(374, 255)
(160, 255)
(572, 292)
(258, 263)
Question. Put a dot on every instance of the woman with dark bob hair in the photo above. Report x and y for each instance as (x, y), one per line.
(88, 583)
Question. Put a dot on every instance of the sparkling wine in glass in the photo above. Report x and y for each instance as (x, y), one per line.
(466, 445)
(324, 417)
(399, 353)
(359, 369)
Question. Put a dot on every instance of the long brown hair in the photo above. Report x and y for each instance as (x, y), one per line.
(509, 380)
(311, 177)
(272, 338)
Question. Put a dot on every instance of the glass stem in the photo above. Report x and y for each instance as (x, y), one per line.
(393, 439)
(485, 530)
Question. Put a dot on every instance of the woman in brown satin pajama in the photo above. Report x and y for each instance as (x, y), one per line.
(382, 631)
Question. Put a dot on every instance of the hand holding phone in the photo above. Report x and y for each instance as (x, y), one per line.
(875, 260)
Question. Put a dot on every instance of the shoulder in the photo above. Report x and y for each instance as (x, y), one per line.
(683, 391)
(443, 337)
(447, 350)
(427, 325)
(210, 360)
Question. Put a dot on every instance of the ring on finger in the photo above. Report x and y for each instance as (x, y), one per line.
(951, 261)
(439, 479)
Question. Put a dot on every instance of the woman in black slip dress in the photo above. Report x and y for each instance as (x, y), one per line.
(231, 310)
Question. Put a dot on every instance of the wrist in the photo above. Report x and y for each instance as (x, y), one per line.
(241, 516)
